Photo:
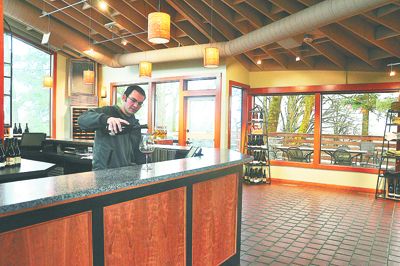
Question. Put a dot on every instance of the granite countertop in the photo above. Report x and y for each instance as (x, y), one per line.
(20, 195)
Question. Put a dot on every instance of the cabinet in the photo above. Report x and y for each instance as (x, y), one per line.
(258, 171)
(388, 182)
(77, 132)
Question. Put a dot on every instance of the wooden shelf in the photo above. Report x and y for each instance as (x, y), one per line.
(77, 132)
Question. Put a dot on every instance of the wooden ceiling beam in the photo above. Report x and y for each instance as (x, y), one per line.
(378, 54)
(279, 58)
(264, 7)
(195, 34)
(332, 31)
(225, 12)
(72, 19)
(390, 21)
(244, 10)
(382, 33)
(308, 61)
(385, 10)
(366, 31)
(330, 53)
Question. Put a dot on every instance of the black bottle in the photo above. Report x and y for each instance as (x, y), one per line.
(397, 189)
(26, 128)
(9, 153)
(2, 156)
(19, 128)
(391, 188)
(15, 129)
(264, 177)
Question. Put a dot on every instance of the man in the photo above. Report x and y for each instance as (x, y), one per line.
(113, 146)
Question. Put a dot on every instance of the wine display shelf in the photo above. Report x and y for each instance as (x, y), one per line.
(77, 132)
(388, 181)
(257, 171)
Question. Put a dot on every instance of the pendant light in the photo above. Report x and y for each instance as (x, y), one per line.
(211, 54)
(88, 75)
(48, 79)
(145, 68)
(158, 27)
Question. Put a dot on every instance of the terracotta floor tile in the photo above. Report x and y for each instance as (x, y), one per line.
(306, 225)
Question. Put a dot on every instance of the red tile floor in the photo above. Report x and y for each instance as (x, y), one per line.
(286, 224)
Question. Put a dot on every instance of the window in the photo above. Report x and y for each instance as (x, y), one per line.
(26, 68)
(167, 107)
(290, 121)
(235, 118)
(202, 84)
(353, 123)
(143, 112)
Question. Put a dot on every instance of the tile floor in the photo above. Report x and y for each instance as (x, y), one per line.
(308, 225)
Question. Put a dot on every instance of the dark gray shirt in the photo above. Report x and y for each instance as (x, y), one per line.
(112, 151)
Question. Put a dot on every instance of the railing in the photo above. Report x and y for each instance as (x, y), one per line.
(328, 141)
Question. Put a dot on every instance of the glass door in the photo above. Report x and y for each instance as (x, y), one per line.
(200, 121)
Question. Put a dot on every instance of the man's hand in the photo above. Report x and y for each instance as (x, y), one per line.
(115, 124)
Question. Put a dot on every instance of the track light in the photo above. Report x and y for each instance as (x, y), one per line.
(124, 42)
(259, 62)
(103, 5)
(298, 58)
(392, 72)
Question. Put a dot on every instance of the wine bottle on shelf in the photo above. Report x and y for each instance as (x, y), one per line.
(264, 177)
(15, 129)
(397, 189)
(19, 128)
(17, 152)
(391, 188)
(261, 116)
(2, 156)
(26, 128)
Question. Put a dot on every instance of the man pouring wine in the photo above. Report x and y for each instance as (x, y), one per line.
(117, 137)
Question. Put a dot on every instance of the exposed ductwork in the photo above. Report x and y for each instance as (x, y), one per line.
(311, 18)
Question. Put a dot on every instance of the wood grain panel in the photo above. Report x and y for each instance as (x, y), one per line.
(214, 220)
(65, 241)
(146, 231)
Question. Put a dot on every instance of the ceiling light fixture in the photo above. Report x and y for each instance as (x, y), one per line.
(124, 42)
(392, 72)
(298, 58)
(145, 69)
(211, 54)
(103, 5)
(48, 79)
(259, 62)
(158, 27)
(88, 75)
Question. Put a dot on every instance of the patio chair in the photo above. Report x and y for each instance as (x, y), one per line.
(342, 157)
(343, 147)
(369, 147)
(295, 154)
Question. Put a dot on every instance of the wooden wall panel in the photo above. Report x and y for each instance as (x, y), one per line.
(214, 220)
(146, 231)
(65, 241)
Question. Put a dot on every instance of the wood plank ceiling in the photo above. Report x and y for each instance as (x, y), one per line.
(367, 41)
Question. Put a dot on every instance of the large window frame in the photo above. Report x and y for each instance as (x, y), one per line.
(52, 71)
(184, 93)
(318, 91)
(244, 88)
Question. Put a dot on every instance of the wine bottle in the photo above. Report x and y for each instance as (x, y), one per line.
(15, 129)
(397, 189)
(125, 129)
(9, 153)
(19, 128)
(2, 156)
(391, 188)
(264, 177)
(17, 152)
(261, 116)
(26, 128)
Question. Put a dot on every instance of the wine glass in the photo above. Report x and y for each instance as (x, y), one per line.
(146, 146)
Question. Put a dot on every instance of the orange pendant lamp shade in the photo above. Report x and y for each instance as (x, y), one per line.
(211, 57)
(88, 77)
(48, 82)
(145, 69)
(158, 28)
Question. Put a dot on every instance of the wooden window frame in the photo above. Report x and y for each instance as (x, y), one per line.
(318, 91)
(244, 88)
(183, 94)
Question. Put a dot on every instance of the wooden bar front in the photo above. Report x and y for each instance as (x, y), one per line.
(193, 220)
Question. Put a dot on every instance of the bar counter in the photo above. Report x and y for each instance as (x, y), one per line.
(182, 212)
